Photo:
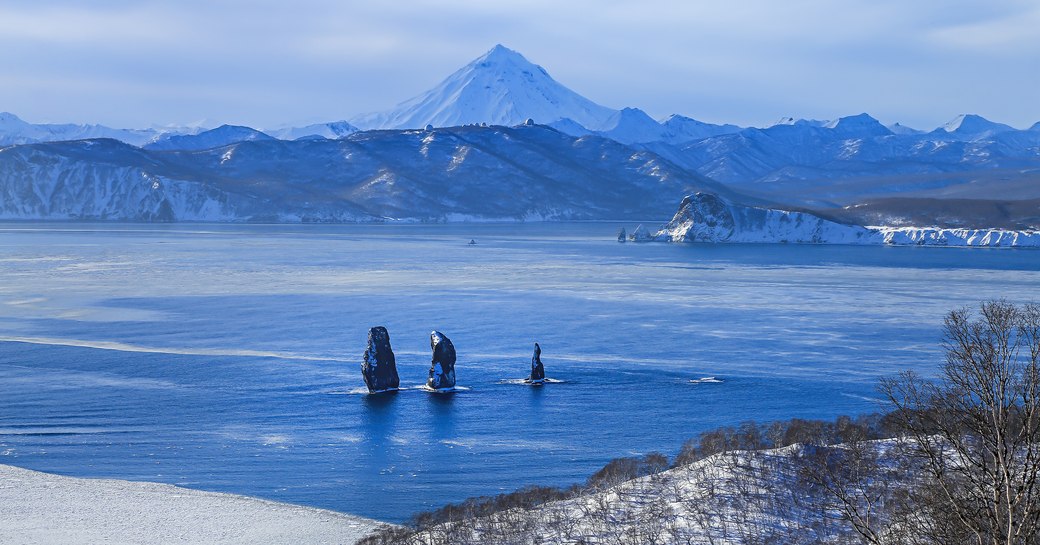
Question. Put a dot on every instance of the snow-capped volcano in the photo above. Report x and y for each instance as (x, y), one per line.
(499, 88)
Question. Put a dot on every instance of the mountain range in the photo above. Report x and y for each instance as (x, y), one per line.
(500, 138)
(445, 174)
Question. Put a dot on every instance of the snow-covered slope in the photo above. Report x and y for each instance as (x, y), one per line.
(331, 130)
(857, 126)
(898, 128)
(799, 122)
(631, 125)
(704, 217)
(737, 497)
(103, 180)
(777, 160)
(220, 136)
(679, 129)
(14, 130)
(47, 508)
(634, 126)
(971, 127)
(475, 173)
(500, 88)
(932, 236)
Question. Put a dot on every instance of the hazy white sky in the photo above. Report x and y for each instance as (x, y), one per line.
(265, 63)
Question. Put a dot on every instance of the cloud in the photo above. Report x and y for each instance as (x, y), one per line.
(748, 61)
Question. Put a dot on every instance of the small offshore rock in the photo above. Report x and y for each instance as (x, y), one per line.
(442, 368)
(537, 370)
(641, 234)
(379, 367)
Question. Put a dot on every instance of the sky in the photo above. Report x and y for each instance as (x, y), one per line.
(271, 63)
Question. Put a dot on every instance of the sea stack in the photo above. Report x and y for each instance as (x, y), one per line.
(641, 234)
(379, 367)
(442, 368)
(537, 371)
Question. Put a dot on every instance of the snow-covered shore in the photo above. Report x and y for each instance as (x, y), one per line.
(42, 508)
(705, 217)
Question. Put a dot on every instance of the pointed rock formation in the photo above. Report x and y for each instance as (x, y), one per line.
(537, 371)
(641, 234)
(442, 368)
(379, 367)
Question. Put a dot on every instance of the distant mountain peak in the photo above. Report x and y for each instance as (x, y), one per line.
(213, 138)
(972, 123)
(501, 87)
(8, 117)
(331, 130)
(963, 120)
(793, 121)
(899, 128)
(970, 127)
(502, 53)
(858, 125)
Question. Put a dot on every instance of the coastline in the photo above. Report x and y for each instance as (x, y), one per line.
(43, 508)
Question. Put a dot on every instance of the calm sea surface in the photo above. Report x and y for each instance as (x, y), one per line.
(227, 357)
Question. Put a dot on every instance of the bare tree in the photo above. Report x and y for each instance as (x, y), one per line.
(977, 430)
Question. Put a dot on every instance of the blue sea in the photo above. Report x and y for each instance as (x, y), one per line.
(226, 357)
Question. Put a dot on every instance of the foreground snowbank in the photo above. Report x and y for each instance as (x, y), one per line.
(705, 217)
(44, 508)
(730, 498)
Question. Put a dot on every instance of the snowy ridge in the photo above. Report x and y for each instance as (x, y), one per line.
(458, 174)
(39, 188)
(730, 498)
(504, 88)
(893, 160)
(972, 127)
(933, 236)
(14, 130)
(331, 130)
(704, 217)
(220, 136)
